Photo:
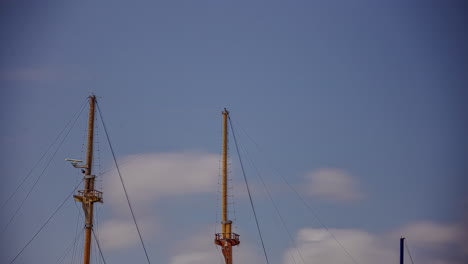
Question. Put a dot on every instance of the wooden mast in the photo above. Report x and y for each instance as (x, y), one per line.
(225, 224)
(89, 195)
(226, 239)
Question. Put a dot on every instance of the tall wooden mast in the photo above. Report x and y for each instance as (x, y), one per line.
(226, 239)
(89, 195)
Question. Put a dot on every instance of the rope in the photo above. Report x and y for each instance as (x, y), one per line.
(248, 191)
(46, 222)
(122, 181)
(315, 214)
(99, 247)
(72, 245)
(40, 175)
(320, 222)
(40, 159)
(276, 209)
(77, 236)
(76, 232)
(409, 253)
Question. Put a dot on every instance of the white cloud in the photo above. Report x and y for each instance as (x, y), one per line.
(367, 248)
(319, 246)
(148, 177)
(333, 184)
(116, 234)
(431, 233)
(436, 238)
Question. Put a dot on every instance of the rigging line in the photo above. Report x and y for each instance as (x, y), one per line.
(112, 169)
(68, 249)
(46, 222)
(248, 191)
(275, 206)
(315, 214)
(95, 230)
(41, 174)
(217, 198)
(75, 254)
(219, 255)
(318, 220)
(409, 253)
(43, 155)
(76, 232)
(99, 247)
(122, 181)
(72, 245)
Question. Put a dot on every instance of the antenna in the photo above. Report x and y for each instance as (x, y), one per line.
(75, 162)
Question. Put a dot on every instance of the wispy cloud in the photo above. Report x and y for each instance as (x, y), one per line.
(29, 74)
(121, 233)
(436, 239)
(368, 248)
(431, 233)
(333, 184)
(148, 178)
(319, 245)
(151, 176)
(45, 73)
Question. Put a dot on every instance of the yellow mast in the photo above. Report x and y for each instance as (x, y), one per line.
(89, 195)
(226, 226)
(226, 239)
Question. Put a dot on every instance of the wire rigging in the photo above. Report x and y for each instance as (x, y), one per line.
(41, 158)
(122, 181)
(248, 191)
(277, 211)
(78, 234)
(307, 205)
(68, 249)
(46, 222)
(319, 220)
(42, 173)
(409, 253)
(276, 208)
(99, 247)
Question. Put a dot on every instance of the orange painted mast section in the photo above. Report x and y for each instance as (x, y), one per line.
(89, 195)
(226, 239)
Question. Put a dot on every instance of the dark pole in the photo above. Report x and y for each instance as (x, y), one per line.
(402, 252)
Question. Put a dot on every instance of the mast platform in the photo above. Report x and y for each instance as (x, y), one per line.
(225, 239)
(93, 196)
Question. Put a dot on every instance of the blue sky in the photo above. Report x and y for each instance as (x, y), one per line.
(357, 99)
